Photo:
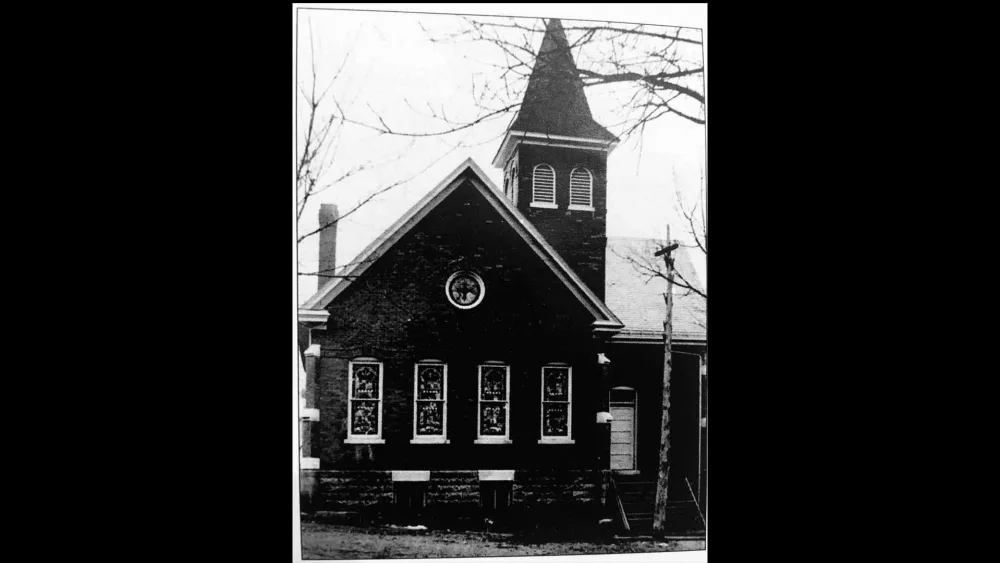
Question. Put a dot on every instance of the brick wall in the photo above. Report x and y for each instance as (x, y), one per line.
(398, 313)
(580, 237)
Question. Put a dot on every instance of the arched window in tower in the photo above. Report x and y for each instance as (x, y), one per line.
(513, 184)
(581, 189)
(543, 186)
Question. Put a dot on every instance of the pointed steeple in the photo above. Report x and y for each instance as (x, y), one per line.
(555, 161)
(554, 102)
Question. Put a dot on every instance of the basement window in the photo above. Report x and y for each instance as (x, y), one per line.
(410, 498)
(495, 497)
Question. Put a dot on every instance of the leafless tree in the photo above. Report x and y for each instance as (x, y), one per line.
(655, 70)
(695, 230)
(659, 68)
(323, 118)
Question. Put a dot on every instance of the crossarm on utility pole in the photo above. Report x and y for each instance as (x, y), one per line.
(667, 251)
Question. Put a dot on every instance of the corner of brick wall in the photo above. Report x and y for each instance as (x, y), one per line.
(308, 501)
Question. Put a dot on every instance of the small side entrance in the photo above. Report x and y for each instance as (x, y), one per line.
(623, 428)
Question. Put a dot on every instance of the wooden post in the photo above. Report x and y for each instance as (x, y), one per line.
(660, 508)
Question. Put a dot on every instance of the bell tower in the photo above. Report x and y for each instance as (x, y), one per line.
(555, 161)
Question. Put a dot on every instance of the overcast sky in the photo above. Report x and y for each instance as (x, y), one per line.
(391, 67)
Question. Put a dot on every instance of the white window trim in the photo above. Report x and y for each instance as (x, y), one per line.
(480, 439)
(443, 438)
(551, 144)
(479, 280)
(363, 438)
(562, 137)
(544, 205)
(496, 474)
(411, 476)
(535, 202)
(590, 190)
(568, 438)
(635, 426)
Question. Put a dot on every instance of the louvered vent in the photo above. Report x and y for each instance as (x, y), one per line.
(580, 187)
(543, 184)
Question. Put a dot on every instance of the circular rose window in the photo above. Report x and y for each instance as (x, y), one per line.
(465, 290)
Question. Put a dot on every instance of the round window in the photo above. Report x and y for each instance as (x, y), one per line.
(465, 290)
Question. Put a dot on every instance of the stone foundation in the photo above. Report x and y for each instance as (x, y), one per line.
(566, 498)
(352, 490)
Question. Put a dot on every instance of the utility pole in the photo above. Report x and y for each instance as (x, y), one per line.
(660, 508)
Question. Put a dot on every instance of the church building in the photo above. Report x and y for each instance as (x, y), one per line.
(494, 354)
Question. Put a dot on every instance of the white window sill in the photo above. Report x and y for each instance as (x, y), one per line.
(492, 441)
(411, 476)
(430, 440)
(496, 474)
(557, 440)
(364, 440)
(544, 205)
(581, 208)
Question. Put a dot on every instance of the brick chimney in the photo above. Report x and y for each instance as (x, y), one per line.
(327, 243)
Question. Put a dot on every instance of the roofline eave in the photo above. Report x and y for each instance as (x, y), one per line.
(518, 222)
(508, 144)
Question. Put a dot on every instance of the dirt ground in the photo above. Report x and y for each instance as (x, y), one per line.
(336, 541)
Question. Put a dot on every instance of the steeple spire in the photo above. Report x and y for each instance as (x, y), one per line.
(554, 102)
(555, 161)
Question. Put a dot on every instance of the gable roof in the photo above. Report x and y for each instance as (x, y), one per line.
(637, 298)
(554, 102)
(604, 318)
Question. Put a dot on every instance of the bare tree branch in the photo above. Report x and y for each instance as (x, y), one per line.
(651, 268)
(373, 195)
(386, 130)
(648, 60)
